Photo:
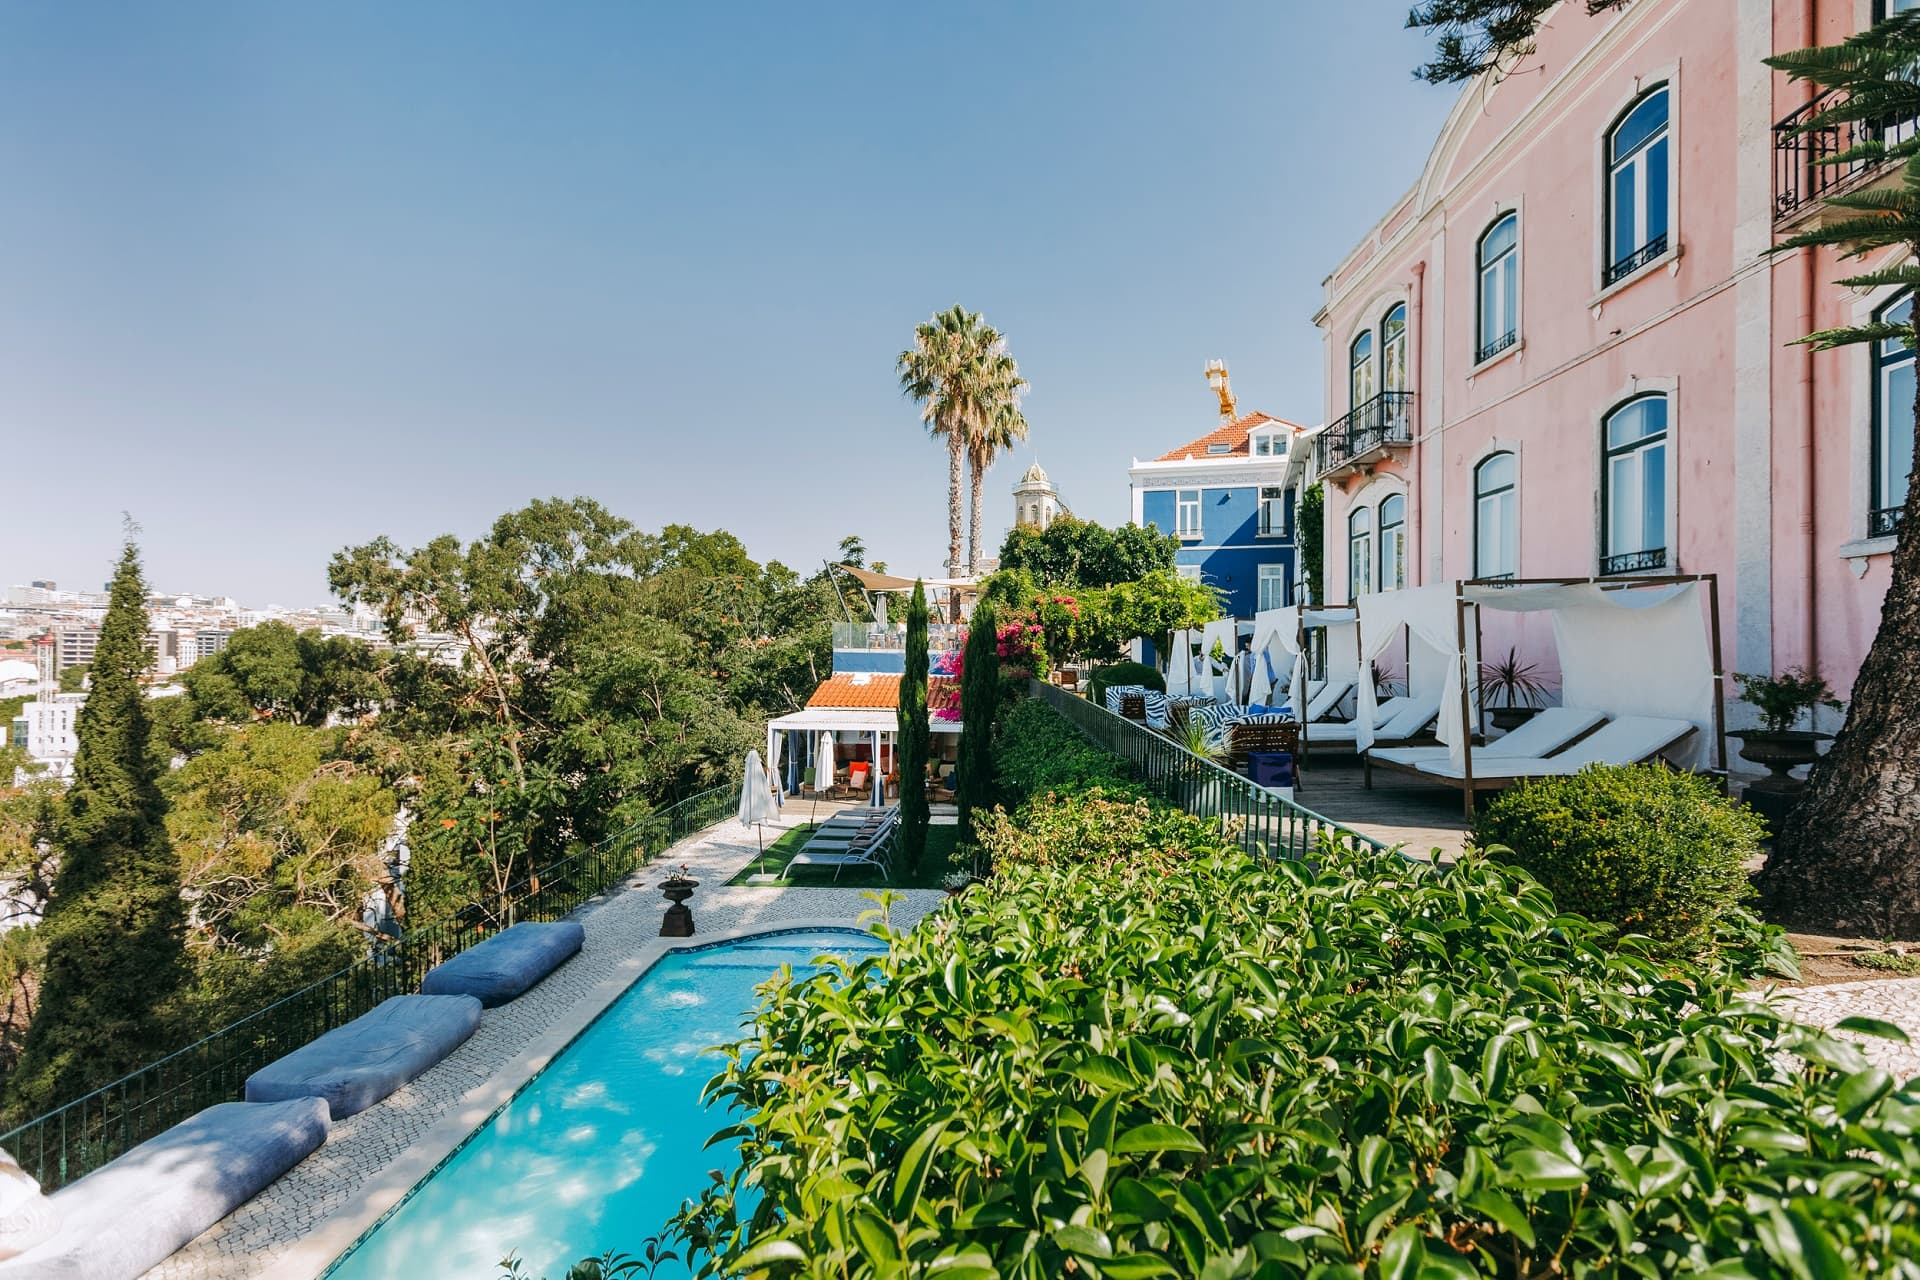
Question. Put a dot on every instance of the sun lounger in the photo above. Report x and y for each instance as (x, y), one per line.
(1327, 699)
(1628, 740)
(1543, 735)
(1340, 735)
(129, 1215)
(873, 849)
(507, 964)
(354, 1066)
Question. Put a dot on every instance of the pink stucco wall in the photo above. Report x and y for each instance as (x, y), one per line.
(1712, 325)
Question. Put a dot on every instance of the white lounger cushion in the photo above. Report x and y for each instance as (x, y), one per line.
(1627, 740)
(1541, 736)
(1331, 695)
(1342, 730)
(1410, 719)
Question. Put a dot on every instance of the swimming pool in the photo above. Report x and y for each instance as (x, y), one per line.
(600, 1149)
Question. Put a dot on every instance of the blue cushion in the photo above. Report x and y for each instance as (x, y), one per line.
(355, 1066)
(506, 964)
(129, 1215)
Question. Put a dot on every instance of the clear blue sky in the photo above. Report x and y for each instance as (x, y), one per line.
(276, 278)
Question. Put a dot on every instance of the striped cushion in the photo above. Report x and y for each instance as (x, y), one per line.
(1157, 709)
(1262, 717)
(1116, 693)
(1213, 720)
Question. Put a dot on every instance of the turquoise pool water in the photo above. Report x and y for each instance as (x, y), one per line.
(601, 1148)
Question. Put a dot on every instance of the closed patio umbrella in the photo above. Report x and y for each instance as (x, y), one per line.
(756, 795)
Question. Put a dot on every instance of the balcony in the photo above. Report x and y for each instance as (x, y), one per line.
(1884, 522)
(1618, 271)
(1370, 433)
(1803, 168)
(1634, 562)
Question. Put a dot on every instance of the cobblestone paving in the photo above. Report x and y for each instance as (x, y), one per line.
(1895, 1000)
(255, 1236)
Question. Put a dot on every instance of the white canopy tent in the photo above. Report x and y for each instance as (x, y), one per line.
(1646, 647)
(825, 726)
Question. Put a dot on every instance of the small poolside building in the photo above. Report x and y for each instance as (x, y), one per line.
(851, 720)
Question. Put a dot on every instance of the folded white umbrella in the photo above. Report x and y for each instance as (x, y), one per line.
(756, 794)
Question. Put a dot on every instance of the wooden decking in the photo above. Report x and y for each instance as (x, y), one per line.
(1398, 810)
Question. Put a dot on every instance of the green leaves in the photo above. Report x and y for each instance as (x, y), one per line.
(1139, 1053)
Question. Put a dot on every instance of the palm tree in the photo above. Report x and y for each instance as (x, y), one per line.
(1847, 856)
(998, 433)
(953, 369)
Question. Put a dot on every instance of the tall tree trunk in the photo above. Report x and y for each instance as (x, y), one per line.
(978, 467)
(955, 447)
(1847, 858)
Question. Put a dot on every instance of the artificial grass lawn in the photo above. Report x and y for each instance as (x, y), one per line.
(933, 866)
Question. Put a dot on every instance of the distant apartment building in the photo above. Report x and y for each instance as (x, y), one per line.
(45, 728)
(1567, 352)
(209, 642)
(1229, 497)
(75, 646)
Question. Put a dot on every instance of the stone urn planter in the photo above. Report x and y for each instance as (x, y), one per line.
(1780, 752)
(678, 922)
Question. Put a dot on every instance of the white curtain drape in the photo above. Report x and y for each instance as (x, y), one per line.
(1276, 635)
(1430, 615)
(1221, 632)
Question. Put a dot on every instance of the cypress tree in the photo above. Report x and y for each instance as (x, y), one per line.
(115, 926)
(979, 704)
(914, 734)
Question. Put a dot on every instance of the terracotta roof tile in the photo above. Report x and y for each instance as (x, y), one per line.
(862, 690)
(1234, 435)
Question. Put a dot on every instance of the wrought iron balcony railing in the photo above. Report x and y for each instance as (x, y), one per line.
(1803, 167)
(1634, 561)
(1483, 354)
(1634, 261)
(1385, 420)
(1885, 522)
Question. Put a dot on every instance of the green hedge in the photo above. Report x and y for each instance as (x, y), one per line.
(1209, 1067)
(1644, 848)
(1123, 673)
(1036, 751)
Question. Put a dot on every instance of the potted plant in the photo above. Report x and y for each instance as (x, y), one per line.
(1518, 687)
(1781, 700)
(955, 882)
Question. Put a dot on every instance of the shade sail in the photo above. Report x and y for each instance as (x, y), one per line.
(871, 581)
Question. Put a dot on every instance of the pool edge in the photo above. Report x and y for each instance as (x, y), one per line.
(332, 1236)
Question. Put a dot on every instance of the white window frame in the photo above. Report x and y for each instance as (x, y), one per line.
(1636, 88)
(1190, 572)
(1879, 475)
(1274, 589)
(1393, 351)
(1638, 451)
(1507, 266)
(1359, 553)
(1273, 514)
(1398, 545)
(1510, 493)
(1354, 382)
(1183, 508)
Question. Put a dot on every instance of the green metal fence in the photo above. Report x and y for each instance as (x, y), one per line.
(77, 1138)
(1269, 825)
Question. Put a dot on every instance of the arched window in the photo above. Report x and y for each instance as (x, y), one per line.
(1360, 371)
(1893, 391)
(1496, 510)
(1633, 479)
(1638, 180)
(1393, 543)
(1499, 258)
(1393, 349)
(1359, 552)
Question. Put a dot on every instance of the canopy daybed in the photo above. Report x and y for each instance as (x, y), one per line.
(1640, 673)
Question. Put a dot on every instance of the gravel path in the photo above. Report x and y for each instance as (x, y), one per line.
(283, 1229)
(1895, 1000)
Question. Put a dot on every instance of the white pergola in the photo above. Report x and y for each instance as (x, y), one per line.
(879, 724)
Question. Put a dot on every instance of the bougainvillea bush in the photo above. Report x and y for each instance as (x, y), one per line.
(1215, 1068)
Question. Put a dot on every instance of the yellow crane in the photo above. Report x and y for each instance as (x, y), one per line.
(1217, 379)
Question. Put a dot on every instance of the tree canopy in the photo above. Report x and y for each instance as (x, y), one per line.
(1484, 35)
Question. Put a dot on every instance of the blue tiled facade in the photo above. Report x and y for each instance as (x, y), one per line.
(1230, 549)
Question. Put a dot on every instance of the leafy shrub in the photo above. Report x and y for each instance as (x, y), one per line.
(1645, 848)
(1054, 829)
(1123, 673)
(1138, 1068)
(1037, 751)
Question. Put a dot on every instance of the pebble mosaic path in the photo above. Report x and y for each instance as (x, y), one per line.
(259, 1237)
(274, 1234)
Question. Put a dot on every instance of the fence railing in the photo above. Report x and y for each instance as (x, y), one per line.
(1269, 825)
(74, 1139)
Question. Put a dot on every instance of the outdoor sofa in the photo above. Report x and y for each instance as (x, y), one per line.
(507, 964)
(132, 1213)
(354, 1066)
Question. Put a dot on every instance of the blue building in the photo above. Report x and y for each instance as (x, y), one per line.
(1230, 497)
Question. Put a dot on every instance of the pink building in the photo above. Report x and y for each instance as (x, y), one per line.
(1566, 353)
